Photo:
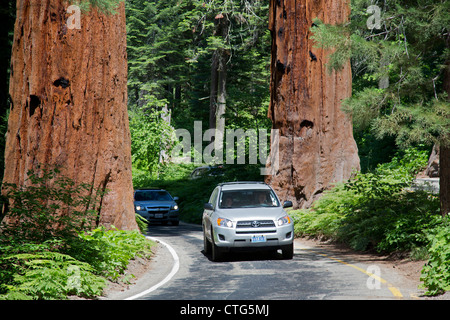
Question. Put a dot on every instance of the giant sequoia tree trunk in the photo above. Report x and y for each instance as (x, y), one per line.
(69, 102)
(316, 145)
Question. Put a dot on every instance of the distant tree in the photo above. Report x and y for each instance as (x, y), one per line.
(180, 51)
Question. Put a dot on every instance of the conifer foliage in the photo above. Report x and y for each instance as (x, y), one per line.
(400, 53)
(171, 48)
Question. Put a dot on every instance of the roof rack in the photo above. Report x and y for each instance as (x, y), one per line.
(241, 182)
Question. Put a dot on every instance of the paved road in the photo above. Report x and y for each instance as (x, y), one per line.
(311, 275)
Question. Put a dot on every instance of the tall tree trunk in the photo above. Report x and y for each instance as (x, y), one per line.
(218, 85)
(69, 102)
(7, 18)
(444, 153)
(221, 102)
(213, 91)
(444, 179)
(316, 145)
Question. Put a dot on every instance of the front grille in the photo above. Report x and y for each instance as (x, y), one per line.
(256, 232)
(158, 209)
(255, 224)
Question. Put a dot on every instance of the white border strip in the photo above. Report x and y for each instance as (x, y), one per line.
(175, 268)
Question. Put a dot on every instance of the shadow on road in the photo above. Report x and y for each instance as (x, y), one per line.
(155, 229)
(235, 256)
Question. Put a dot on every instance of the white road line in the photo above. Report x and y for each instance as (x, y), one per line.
(174, 270)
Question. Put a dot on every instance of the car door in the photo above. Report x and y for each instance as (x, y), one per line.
(207, 214)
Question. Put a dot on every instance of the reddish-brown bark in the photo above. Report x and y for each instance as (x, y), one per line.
(316, 146)
(69, 102)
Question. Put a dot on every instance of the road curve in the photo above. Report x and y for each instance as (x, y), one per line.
(313, 274)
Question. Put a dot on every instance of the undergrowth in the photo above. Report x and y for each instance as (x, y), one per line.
(47, 248)
(378, 211)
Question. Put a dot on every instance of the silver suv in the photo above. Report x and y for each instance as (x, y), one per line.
(246, 215)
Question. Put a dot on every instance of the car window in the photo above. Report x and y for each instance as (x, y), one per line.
(213, 197)
(248, 199)
(152, 195)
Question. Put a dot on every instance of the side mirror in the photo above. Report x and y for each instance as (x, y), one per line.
(208, 206)
(287, 204)
(175, 198)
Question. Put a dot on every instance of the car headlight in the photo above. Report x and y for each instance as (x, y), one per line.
(175, 207)
(140, 208)
(222, 222)
(284, 220)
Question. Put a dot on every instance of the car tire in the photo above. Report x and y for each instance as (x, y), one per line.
(288, 251)
(206, 244)
(175, 222)
(216, 252)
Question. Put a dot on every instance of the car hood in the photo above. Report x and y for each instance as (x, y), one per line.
(260, 213)
(155, 203)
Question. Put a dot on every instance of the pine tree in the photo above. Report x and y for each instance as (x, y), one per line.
(400, 53)
(174, 48)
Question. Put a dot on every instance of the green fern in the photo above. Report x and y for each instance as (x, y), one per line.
(51, 275)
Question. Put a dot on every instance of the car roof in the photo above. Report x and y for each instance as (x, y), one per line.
(240, 185)
(150, 189)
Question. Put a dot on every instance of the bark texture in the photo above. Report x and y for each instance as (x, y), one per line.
(218, 85)
(316, 145)
(444, 153)
(69, 102)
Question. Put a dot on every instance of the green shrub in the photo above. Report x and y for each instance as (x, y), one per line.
(49, 206)
(46, 251)
(40, 271)
(109, 251)
(51, 275)
(324, 218)
(56, 269)
(142, 223)
(375, 210)
(436, 273)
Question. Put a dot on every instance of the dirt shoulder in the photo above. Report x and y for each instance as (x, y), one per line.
(411, 270)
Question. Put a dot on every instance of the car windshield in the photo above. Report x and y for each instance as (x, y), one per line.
(152, 195)
(248, 199)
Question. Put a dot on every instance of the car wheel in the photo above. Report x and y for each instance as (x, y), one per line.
(206, 244)
(216, 253)
(175, 222)
(288, 251)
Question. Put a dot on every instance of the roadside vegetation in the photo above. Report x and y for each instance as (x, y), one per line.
(48, 249)
(378, 211)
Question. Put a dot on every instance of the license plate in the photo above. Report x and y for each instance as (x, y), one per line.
(258, 238)
(158, 215)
